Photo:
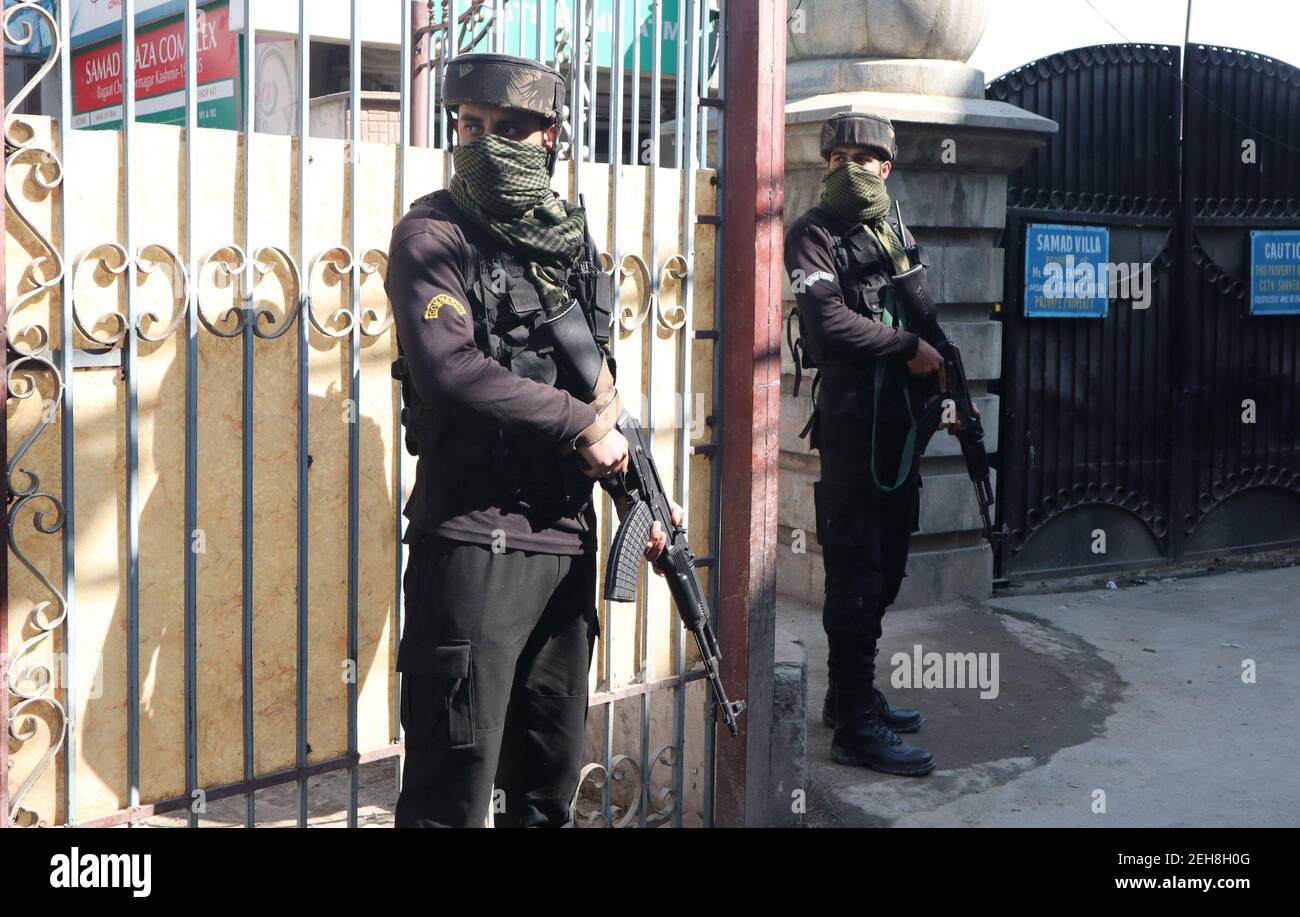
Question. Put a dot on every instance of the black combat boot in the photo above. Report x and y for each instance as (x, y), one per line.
(899, 719)
(863, 739)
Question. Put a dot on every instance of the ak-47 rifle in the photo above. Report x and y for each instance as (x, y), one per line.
(648, 504)
(588, 376)
(922, 317)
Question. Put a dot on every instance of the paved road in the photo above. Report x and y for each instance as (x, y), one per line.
(1136, 692)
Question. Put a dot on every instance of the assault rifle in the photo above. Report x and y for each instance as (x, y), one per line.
(922, 317)
(648, 504)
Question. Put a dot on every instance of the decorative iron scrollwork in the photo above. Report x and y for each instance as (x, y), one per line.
(676, 267)
(631, 318)
(341, 263)
(265, 263)
(31, 341)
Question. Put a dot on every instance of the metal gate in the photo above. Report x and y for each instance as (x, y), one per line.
(1135, 424)
(239, 398)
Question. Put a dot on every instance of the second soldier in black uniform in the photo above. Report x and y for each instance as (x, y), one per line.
(488, 280)
(869, 394)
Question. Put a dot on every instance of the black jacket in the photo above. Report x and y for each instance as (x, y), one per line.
(845, 344)
(458, 493)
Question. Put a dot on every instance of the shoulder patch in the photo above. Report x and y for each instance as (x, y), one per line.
(435, 305)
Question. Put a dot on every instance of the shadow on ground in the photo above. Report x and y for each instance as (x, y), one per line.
(1053, 691)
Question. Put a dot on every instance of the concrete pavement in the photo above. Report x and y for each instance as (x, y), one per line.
(1136, 692)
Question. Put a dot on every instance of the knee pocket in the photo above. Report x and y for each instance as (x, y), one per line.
(438, 693)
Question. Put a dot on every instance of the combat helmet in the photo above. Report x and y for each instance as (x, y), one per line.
(507, 81)
(858, 129)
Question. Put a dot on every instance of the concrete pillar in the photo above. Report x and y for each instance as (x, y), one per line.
(905, 60)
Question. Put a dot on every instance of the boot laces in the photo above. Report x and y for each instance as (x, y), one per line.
(882, 729)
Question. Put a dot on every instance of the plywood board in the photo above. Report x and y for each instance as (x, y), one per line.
(93, 189)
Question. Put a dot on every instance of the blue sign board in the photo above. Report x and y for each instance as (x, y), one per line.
(1275, 273)
(1066, 271)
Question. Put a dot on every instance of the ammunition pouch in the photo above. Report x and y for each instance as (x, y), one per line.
(584, 369)
(913, 296)
(577, 354)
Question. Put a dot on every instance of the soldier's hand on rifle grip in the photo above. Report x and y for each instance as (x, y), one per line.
(927, 361)
(608, 456)
(659, 538)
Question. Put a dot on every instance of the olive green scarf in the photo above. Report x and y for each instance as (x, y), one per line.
(504, 187)
(858, 195)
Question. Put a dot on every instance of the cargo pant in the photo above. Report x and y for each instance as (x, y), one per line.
(494, 660)
(864, 535)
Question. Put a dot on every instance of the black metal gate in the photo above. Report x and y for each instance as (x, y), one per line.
(1173, 429)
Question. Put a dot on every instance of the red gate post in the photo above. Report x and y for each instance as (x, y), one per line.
(420, 88)
(753, 175)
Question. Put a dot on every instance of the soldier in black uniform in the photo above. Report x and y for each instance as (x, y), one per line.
(490, 280)
(870, 392)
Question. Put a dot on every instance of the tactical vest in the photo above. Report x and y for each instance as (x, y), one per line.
(507, 311)
(863, 269)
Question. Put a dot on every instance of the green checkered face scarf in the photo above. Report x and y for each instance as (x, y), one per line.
(505, 188)
(858, 195)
